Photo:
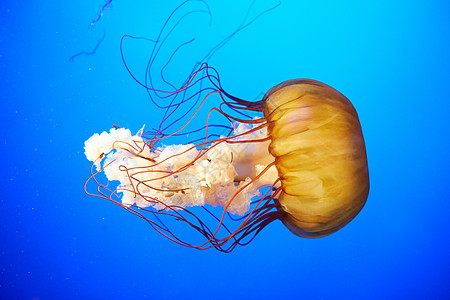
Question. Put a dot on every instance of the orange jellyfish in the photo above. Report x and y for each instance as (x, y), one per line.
(307, 150)
(297, 155)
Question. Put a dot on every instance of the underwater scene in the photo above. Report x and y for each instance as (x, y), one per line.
(201, 149)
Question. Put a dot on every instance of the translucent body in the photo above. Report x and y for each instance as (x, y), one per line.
(320, 156)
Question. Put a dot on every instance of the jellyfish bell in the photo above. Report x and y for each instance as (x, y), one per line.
(320, 155)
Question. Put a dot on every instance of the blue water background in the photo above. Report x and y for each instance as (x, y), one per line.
(390, 58)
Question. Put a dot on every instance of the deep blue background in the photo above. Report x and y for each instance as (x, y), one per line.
(390, 58)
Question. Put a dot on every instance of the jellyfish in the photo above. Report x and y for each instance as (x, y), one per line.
(297, 155)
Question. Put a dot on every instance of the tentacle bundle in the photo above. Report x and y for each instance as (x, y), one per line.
(179, 176)
(320, 156)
